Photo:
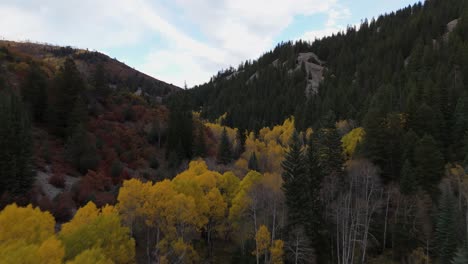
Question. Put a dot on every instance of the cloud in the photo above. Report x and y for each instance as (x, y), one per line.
(231, 30)
(235, 30)
(333, 25)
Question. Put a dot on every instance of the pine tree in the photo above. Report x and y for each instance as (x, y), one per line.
(78, 115)
(66, 88)
(446, 233)
(375, 140)
(199, 144)
(253, 163)
(180, 130)
(295, 184)
(80, 152)
(429, 164)
(461, 126)
(328, 152)
(16, 173)
(224, 149)
(99, 81)
(408, 181)
(315, 227)
(34, 92)
(461, 257)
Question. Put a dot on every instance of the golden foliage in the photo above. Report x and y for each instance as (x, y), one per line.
(98, 228)
(277, 252)
(351, 140)
(91, 256)
(262, 239)
(269, 147)
(31, 240)
(34, 228)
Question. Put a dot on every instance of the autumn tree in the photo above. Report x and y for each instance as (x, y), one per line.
(262, 243)
(98, 228)
(277, 252)
(91, 256)
(31, 240)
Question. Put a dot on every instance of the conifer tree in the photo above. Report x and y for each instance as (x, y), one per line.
(99, 81)
(80, 152)
(16, 173)
(253, 163)
(315, 227)
(446, 233)
(199, 144)
(295, 184)
(328, 152)
(408, 181)
(66, 88)
(461, 126)
(429, 164)
(34, 92)
(224, 149)
(461, 257)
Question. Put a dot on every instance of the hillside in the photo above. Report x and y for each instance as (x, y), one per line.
(94, 122)
(342, 73)
(349, 149)
(118, 74)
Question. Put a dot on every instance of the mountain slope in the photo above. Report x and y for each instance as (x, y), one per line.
(394, 51)
(118, 73)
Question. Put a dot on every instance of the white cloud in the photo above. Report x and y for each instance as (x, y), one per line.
(332, 26)
(233, 30)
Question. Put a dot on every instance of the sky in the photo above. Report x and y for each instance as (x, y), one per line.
(182, 41)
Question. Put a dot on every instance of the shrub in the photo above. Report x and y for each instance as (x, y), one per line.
(116, 168)
(154, 163)
(57, 180)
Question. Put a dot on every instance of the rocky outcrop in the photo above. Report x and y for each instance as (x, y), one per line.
(314, 69)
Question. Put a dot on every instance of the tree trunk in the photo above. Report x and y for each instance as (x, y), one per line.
(385, 225)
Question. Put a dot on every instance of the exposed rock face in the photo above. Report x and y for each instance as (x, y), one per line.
(255, 75)
(452, 25)
(234, 74)
(450, 28)
(314, 69)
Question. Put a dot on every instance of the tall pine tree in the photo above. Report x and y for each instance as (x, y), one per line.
(446, 232)
(16, 173)
(34, 92)
(224, 149)
(66, 88)
(295, 185)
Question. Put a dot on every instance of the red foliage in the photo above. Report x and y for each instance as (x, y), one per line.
(63, 208)
(91, 184)
(45, 204)
(57, 180)
(103, 198)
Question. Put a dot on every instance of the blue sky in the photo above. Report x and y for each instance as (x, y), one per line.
(181, 41)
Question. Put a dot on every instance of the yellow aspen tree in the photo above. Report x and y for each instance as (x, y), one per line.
(95, 228)
(351, 140)
(34, 228)
(262, 242)
(277, 252)
(91, 256)
(51, 251)
(131, 201)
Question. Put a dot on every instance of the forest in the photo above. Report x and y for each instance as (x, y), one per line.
(349, 149)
